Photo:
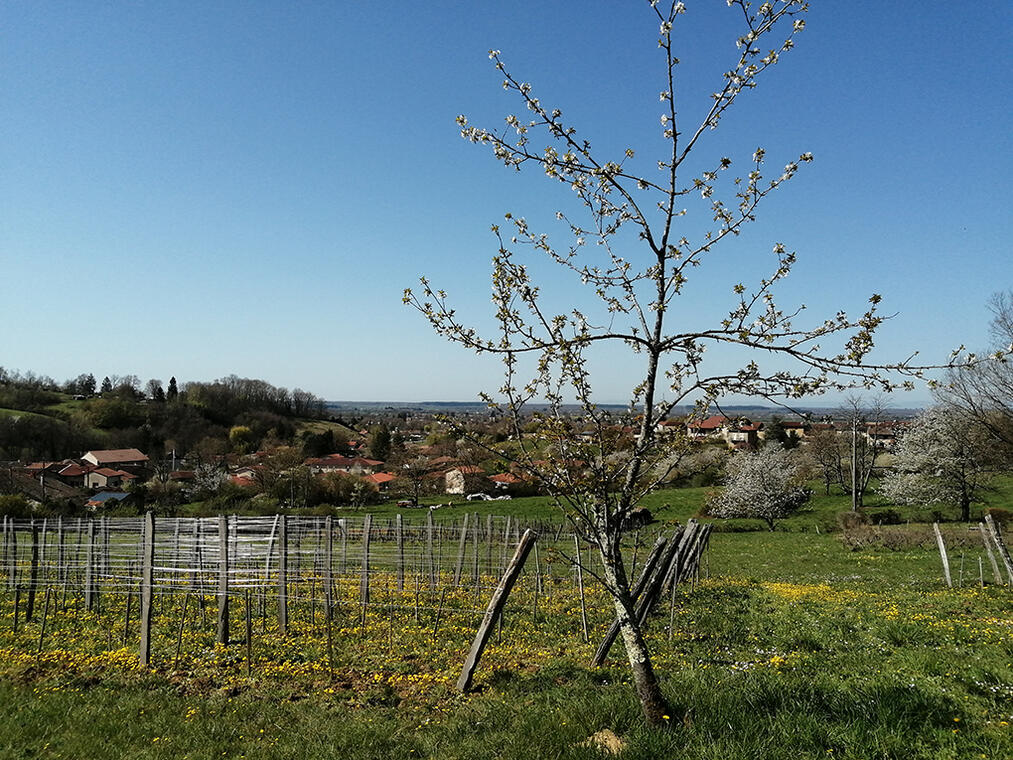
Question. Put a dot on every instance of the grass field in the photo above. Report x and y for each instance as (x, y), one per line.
(792, 646)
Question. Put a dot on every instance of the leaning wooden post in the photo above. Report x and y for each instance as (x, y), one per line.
(222, 636)
(45, 617)
(148, 560)
(495, 609)
(991, 557)
(283, 575)
(993, 529)
(942, 554)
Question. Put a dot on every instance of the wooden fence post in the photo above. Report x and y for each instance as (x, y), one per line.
(400, 553)
(1000, 545)
(475, 573)
(495, 609)
(61, 572)
(148, 560)
(329, 566)
(942, 554)
(13, 558)
(991, 557)
(222, 636)
(89, 568)
(367, 527)
(461, 545)
(283, 575)
(33, 578)
(429, 549)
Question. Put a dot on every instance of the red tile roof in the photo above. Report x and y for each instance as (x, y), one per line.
(714, 422)
(379, 477)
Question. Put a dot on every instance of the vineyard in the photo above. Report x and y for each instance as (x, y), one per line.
(309, 637)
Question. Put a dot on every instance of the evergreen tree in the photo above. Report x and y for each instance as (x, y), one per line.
(173, 391)
(107, 385)
(380, 443)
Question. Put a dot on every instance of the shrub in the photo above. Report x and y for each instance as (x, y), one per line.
(850, 520)
(885, 517)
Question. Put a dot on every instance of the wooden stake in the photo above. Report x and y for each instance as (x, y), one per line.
(45, 617)
(222, 634)
(146, 577)
(580, 586)
(439, 612)
(329, 566)
(1000, 545)
(495, 610)
(126, 616)
(34, 574)
(89, 569)
(400, 553)
(991, 557)
(461, 544)
(283, 575)
(249, 635)
(367, 526)
(429, 549)
(942, 554)
(179, 633)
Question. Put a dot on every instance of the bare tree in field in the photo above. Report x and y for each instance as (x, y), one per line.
(415, 478)
(823, 449)
(858, 447)
(983, 393)
(636, 256)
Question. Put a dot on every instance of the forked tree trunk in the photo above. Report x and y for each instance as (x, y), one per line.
(652, 701)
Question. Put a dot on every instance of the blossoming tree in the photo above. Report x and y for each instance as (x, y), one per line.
(768, 485)
(635, 280)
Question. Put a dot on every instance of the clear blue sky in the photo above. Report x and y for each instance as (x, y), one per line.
(198, 189)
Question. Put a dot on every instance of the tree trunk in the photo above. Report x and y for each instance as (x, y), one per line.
(652, 701)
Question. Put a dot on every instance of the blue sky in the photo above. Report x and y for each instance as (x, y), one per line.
(199, 189)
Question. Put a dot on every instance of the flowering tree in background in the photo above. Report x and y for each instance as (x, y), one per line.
(943, 458)
(636, 258)
(766, 485)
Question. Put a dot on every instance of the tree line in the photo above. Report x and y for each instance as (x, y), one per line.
(43, 419)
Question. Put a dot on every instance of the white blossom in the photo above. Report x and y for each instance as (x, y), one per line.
(766, 485)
